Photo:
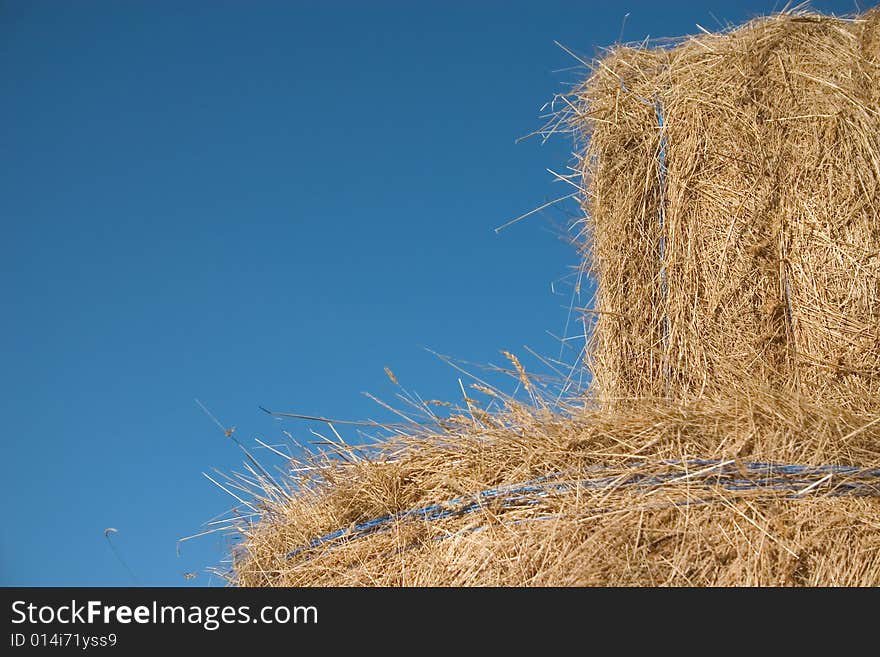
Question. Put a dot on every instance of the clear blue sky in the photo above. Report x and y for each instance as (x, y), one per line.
(259, 203)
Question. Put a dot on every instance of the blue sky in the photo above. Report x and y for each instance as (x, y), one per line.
(260, 203)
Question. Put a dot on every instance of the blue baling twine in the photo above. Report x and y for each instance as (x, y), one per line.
(664, 290)
(766, 476)
(661, 219)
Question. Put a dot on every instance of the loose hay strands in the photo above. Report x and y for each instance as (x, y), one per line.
(731, 436)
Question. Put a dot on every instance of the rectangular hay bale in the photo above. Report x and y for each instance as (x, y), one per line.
(732, 190)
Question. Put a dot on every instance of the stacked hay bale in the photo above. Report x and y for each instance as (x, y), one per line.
(732, 191)
(655, 494)
(734, 196)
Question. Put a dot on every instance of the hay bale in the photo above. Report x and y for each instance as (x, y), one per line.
(662, 493)
(733, 196)
(733, 438)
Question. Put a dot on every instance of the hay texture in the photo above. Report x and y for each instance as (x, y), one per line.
(658, 494)
(732, 433)
(733, 196)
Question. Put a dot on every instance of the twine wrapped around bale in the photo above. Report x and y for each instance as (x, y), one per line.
(732, 433)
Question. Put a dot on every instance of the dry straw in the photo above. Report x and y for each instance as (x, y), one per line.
(731, 185)
(734, 204)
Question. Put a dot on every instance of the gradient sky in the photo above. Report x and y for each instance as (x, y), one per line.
(261, 203)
